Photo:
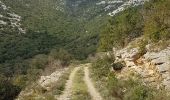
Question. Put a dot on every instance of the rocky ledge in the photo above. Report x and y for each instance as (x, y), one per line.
(152, 67)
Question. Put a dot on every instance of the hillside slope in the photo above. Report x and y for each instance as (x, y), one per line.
(39, 36)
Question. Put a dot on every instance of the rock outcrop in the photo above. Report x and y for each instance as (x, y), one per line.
(47, 82)
(152, 67)
(161, 60)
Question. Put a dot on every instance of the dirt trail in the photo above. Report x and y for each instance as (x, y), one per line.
(91, 89)
(67, 92)
(93, 92)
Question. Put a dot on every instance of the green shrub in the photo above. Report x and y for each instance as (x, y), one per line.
(156, 25)
(8, 91)
(39, 61)
(114, 87)
(20, 80)
(142, 47)
(64, 56)
(138, 92)
(101, 67)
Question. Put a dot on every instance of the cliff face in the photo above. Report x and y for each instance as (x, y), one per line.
(153, 67)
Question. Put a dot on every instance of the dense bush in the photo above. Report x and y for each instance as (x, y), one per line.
(142, 47)
(17, 46)
(64, 56)
(25, 72)
(101, 68)
(157, 25)
(15, 60)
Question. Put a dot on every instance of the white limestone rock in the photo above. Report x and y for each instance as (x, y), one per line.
(163, 68)
(2, 22)
(166, 83)
(47, 81)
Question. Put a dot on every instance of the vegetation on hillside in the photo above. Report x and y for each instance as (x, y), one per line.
(150, 20)
(121, 29)
(20, 72)
(25, 56)
(156, 18)
(73, 33)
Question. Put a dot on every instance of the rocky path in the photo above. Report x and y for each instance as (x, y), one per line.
(93, 92)
(67, 92)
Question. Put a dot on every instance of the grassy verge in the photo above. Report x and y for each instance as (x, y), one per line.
(99, 73)
(80, 90)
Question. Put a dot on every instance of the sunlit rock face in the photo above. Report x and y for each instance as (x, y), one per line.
(152, 67)
(161, 60)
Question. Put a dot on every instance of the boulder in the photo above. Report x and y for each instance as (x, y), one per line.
(47, 81)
